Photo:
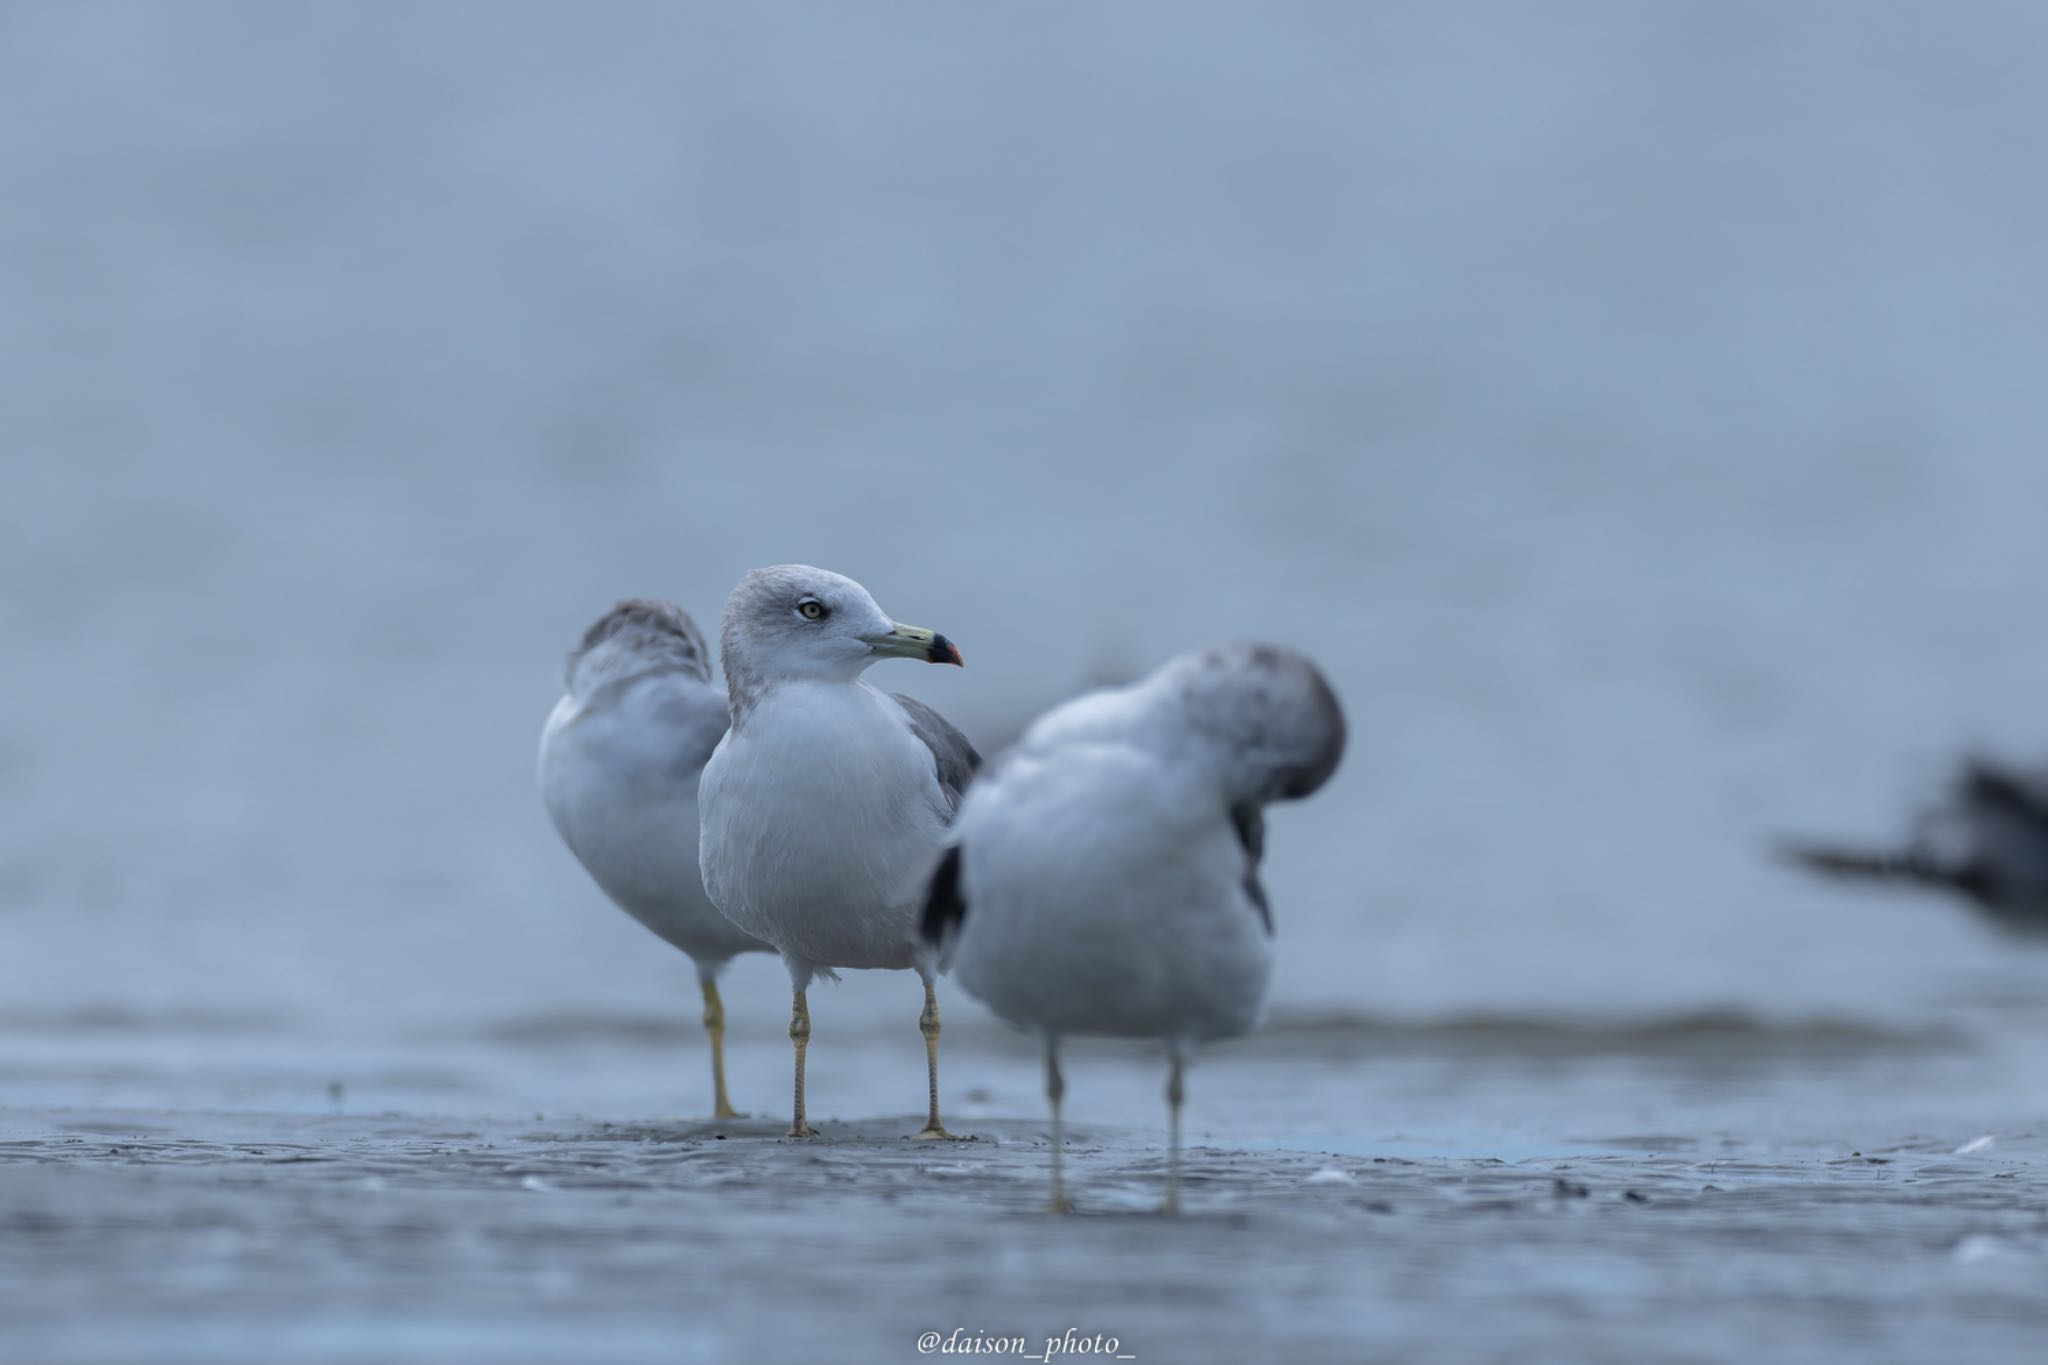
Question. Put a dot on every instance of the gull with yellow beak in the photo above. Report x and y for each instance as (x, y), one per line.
(826, 804)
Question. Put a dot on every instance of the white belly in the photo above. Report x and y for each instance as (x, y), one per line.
(1136, 927)
(821, 818)
(621, 789)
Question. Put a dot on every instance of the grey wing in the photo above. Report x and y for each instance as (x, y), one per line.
(955, 758)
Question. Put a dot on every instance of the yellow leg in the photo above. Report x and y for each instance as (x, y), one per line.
(928, 1025)
(714, 1025)
(1174, 1093)
(1055, 1090)
(800, 1037)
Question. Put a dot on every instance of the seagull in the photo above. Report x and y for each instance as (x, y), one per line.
(1987, 841)
(1103, 877)
(827, 803)
(619, 762)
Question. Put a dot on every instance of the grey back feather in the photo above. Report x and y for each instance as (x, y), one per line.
(651, 627)
(954, 757)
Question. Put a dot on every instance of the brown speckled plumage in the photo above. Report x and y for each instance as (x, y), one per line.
(657, 625)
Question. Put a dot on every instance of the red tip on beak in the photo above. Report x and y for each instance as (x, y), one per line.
(944, 651)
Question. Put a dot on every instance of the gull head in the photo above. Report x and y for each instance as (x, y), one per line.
(1272, 714)
(794, 623)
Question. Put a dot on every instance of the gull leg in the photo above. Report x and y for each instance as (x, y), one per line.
(928, 1025)
(800, 1037)
(1174, 1093)
(1055, 1090)
(714, 1025)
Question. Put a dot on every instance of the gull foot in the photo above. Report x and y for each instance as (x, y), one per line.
(805, 1131)
(933, 1132)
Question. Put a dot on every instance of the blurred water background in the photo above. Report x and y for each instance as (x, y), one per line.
(1636, 408)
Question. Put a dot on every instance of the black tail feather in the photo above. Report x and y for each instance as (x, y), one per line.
(944, 905)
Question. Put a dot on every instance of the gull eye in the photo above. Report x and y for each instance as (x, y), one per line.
(811, 609)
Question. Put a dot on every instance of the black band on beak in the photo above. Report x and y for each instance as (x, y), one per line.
(943, 651)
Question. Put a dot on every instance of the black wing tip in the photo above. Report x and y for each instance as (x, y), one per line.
(944, 906)
(1255, 892)
(1250, 822)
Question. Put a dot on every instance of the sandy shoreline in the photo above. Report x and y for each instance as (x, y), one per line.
(227, 1237)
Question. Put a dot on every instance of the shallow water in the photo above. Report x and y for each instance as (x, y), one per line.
(1617, 1205)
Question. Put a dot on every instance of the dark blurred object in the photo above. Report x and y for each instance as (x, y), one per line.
(1988, 840)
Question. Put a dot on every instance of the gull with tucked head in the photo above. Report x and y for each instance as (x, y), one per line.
(619, 763)
(1104, 876)
(827, 802)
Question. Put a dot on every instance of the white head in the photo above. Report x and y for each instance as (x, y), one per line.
(1270, 711)
(637, 637)
(1260, 718)
(794, 623)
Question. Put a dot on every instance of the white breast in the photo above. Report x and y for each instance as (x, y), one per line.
(821, 817)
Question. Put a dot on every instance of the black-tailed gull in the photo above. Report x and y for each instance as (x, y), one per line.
(619, 763)
(1104, 874)
(826, 804)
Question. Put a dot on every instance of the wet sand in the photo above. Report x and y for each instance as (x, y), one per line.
(1440, 1231)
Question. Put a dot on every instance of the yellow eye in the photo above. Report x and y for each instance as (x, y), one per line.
(811, 609)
